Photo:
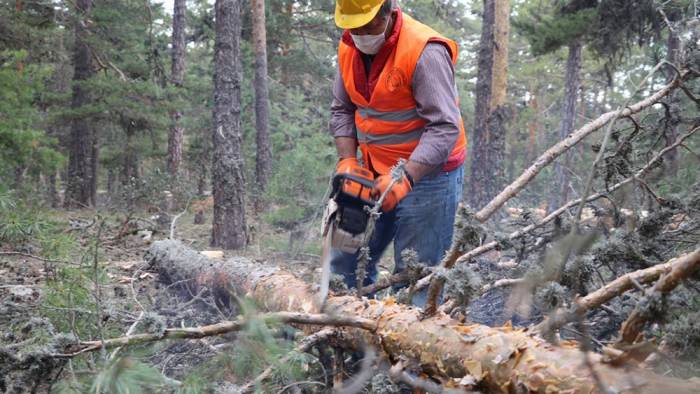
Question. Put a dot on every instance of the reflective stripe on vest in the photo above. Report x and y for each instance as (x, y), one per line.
(389, 116)
(389, 138)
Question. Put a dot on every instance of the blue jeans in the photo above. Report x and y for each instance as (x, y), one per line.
(423, 221)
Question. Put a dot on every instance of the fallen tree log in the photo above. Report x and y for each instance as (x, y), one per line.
(500, 359)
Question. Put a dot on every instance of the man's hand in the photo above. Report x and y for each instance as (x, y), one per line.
(400, 189)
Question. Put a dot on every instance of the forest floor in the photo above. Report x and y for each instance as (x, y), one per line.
(33, 289)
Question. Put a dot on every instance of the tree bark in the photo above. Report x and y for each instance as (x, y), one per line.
(176, 132)
(83, 151)
(488, 140)
(533, 125)
(480, 176)
(263, 159)
(228, 182)
(501, 359)
(560, 192)
(499, 76)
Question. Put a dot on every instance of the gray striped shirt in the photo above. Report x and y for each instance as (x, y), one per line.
(435, 93)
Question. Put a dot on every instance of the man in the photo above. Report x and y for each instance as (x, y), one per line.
(395, 97)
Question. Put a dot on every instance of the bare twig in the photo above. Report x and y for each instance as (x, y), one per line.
(221, 328)
(502, 283)
(172, 224)
(31, 256)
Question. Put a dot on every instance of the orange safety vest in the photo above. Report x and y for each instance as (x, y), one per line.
(388, 125)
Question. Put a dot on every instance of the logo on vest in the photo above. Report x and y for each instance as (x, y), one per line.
(395, 79)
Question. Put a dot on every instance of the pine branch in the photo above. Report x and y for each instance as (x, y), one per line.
(616, 288)
(218, 329)
(304, 346)
(632, 327)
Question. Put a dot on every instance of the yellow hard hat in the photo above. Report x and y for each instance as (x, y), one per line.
(350, 14)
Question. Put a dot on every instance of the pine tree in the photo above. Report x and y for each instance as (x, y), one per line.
(176, 132)
(263, 159)
(83, 149)
(488, 141)
(229, 223)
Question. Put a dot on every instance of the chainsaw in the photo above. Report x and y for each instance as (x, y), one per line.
(348, 221)
(345, 218)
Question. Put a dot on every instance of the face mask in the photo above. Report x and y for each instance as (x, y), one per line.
(370, 44)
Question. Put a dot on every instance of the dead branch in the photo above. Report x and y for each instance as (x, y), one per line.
(219, 329)
(172, 223)
(442, 347)
(506, 282)
(632, 327)
(614, 289)
(383, 283)
(31, 256)
(398, 374)
(572, 139)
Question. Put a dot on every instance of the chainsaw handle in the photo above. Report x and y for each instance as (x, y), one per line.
(339, 178)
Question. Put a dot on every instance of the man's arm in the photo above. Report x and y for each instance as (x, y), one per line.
(342, 123)
(435, 93)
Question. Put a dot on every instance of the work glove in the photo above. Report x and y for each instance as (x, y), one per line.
(397, 193)
(347, 165)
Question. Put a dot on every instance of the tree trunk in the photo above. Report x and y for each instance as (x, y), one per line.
(228, 182)
(263, 159)
(130, 159)
(52, 192)
(82, 157)
(501, 359)
(499, 76)
(533, 127)
(488, 140)
(560, 193)
(176, 132)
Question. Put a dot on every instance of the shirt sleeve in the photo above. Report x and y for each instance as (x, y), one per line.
(342, 122)
(435, 92)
